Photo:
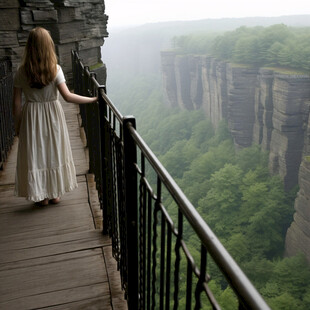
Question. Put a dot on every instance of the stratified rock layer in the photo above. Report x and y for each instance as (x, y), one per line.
(74, 25)
(261, 107)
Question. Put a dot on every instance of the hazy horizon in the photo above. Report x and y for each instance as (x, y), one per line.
(123, 13)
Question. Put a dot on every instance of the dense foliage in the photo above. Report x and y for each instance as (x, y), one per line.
(247, 208)
(277, 45)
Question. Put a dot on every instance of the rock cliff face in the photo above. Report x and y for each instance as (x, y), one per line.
(298, 234)
(261, 107)
(74, 24)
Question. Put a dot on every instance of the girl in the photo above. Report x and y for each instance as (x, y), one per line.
(45, 168)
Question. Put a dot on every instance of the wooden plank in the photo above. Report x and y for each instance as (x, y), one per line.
(62, 229)
(93, 236)
(65, 299)
(56, 280)
(47, 224)
(90, 304)
(46, 260)
(56, 256)
(7, 191)
(25, 217)
(53, 245)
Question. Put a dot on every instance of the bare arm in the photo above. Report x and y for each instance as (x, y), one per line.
(73, 98)
(17, 108)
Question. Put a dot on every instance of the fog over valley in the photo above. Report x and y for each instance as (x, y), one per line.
(224, 104)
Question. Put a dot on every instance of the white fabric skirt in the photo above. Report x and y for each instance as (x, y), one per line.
(45, 167)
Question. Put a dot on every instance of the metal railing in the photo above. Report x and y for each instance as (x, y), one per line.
(151, 247)
(6, 119)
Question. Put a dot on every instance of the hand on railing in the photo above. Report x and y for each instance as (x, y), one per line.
(74, 98)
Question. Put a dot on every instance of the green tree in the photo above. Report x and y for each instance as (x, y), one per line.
(246, 50)
(223, 198)
(228, 300)
(274, 52)
(276, 45)
(285, 301)
(292, 274)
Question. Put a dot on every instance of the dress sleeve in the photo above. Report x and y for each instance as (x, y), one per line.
(60, 78)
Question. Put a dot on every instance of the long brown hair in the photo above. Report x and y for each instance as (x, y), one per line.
(40, 60)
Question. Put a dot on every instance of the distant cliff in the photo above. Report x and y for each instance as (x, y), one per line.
(261, 107)
(74, 24)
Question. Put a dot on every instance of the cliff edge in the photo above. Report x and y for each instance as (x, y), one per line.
(262, 107)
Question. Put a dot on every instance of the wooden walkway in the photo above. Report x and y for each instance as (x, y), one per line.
(55, 257)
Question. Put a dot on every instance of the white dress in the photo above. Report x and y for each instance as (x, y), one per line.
(45, 167)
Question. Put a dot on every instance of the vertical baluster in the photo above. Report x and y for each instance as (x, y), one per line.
(162, 250)
(74, 73)
(120, 197)
(90, 138)
(149, 248)
(202, 277)
(2, 111)
(178, 260)
(109, 192)
(144, 232)
(168, 269)
(155, 235)
(2, 126)
(92, 124)
(104, 158)
(130, 159)
(122, 213)
(100, 120)
(98, 145)
(189, 281)
(112, 212)
(2, 140)
(6, 119)
(95, 124)
(87, 116)
(142, 236)
(9, 89)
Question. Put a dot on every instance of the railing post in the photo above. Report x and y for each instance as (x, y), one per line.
(104, 174)
(74, 73)
(131, 204)
(6, 118)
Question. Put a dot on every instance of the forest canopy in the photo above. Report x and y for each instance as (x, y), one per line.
(248, 209)
(277, 45)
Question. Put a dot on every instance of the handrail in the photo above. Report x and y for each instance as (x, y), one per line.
(115, 111)
(230, 268)
(140, 226)
(6, 118)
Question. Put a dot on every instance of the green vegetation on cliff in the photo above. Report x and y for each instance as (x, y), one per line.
(277, 45)
(246, 207)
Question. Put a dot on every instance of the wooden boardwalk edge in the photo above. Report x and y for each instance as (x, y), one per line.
(56, 257)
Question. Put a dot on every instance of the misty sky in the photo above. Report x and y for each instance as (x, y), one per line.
(134, 12)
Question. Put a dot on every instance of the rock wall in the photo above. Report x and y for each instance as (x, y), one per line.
(261, 107)
(74, 24)
(298, 234)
